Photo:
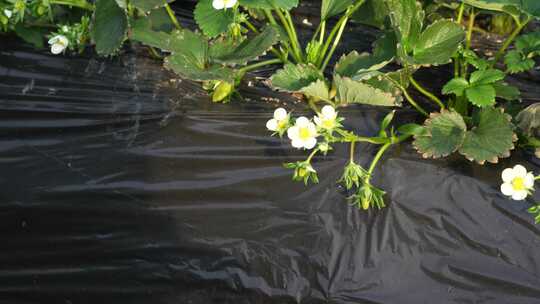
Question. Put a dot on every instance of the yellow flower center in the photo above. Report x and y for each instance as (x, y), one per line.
(328, 123)
(518, 184)
(281, 124)
(304, 133)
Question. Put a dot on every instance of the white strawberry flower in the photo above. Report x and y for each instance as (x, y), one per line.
(303, 134)
(8, 13)
(327, 118)
(279, 122)
(223, 4)
(58, 44)
(517, 182)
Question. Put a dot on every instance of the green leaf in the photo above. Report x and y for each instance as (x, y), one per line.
(148, 5)
(270, 4)
(444, 133)
(531, 7)
(412, 129)
(247, 50)
(160, 20)
(318, 89)
(385, 46)
(517, 63)
(373, 13)
(438, 43)
(456, 86)
(407, 18)
(512, 7)
(141, 30)
(528, 43)
(189, 67)
(508, 6)
(505, 91)
(473, 59)
(350, 91)
(492, 137)
(212, 22)
(353, 64)
(481, 95)
(528, 120)
(293, 78)
(330, 8)
(486, 77)
(32, 35)
(110, 27)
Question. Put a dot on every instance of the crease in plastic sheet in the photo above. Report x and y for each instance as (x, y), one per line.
(120, 186)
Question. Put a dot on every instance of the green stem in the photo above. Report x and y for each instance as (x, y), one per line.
(465, 65)
(351, 157)
(456, 58)
(278, 54)
(510, 39)
(472, 18)
(293, 30)
(334, 46)
(77, 3)
(312, 105)
(376, 159)
(292, 36)
(426, 92)
(154, 53)
(313, 153)
(273, 22)
(460, 12)
(407, 96)
(371, 140)
(537, 177)
(258, 65)
(172, 16)
(335, 30)
(323, 32)
(251, 27)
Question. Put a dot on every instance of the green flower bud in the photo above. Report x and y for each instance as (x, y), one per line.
(222, 91)
(41, 10)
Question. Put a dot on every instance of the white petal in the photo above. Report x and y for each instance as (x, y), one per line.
(54, 39)
(272, 125)
(507, 189)
(520, 171)
(328, 112)
(63, 40)
(218, 4)
(529, 181)
(292, 133)
(297, 143)
(8, 13)
(230, 3)
(310, 143)
(280, 114)
(508, 175)
(519, 195)
(312, 129)
(57, 48)
(302, 121)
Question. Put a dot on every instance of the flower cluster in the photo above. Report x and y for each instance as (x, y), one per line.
(70, 37)
(304, 132)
